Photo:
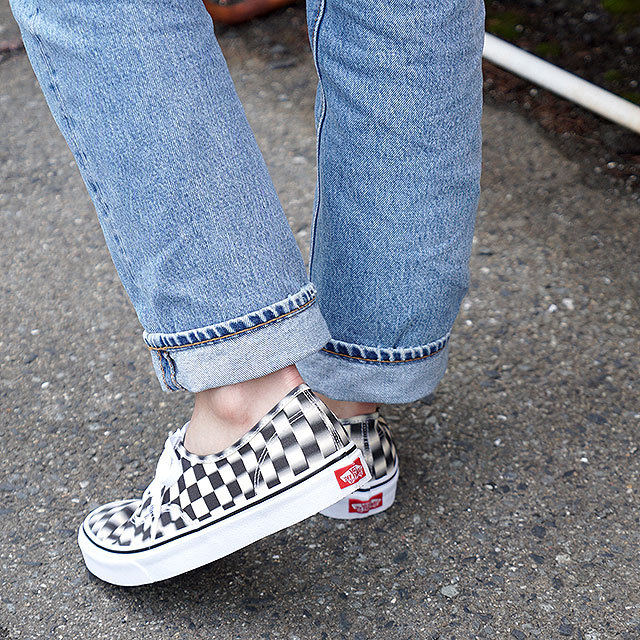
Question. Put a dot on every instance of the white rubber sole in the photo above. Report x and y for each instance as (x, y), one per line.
(266, 515)
(366, 501)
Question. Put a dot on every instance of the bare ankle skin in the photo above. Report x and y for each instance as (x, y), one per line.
(346, 409)
(223, 415)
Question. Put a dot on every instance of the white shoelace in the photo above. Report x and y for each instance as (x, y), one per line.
(168, 471)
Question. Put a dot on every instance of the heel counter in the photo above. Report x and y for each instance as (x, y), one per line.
(332, 422)
(387, 444)
(358, 432)
(384, 433)
(372, 435)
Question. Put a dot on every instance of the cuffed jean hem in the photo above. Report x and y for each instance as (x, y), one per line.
(344, 371)
(241, 349)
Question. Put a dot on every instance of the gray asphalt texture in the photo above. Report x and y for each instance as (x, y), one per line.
(517, 513)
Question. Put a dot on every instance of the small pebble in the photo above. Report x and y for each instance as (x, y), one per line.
(401, 557)
(449, 590)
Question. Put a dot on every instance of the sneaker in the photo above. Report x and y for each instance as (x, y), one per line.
(296, 461)
(371, 434)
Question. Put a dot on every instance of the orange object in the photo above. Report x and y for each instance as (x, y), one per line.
(233, 12)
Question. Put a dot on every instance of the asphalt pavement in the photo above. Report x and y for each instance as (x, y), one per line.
(518, 511)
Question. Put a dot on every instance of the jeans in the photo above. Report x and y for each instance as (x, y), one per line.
(143, 96)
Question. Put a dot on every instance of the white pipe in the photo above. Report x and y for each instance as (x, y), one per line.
(562, 82)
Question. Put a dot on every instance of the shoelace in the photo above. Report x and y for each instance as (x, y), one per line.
(168, 471)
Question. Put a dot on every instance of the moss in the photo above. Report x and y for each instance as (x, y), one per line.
(621, 6)
(547, 49)
(504, 24)
(613, 75)
(631, 96)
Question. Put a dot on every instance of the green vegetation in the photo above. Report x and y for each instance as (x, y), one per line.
(621, 6)
(613, 75)
(631, 96)
(547, 49)
(506, 24)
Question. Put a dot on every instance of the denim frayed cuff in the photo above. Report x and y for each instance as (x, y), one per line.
(240, 349)
(344, 371)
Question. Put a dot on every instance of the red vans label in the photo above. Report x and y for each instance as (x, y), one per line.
(350, 474)
(364, 506)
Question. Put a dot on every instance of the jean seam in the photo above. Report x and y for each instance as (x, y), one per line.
(172, 369)
(321, 119)
(164, 378)
(345, 355)
(235, 333)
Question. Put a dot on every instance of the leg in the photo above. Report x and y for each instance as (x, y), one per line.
(398, 122)
(398, 118)
(143, 96)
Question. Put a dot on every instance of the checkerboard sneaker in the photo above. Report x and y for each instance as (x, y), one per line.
(371, 434)
(296, 461)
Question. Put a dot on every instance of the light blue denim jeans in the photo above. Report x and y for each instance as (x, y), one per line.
(142, 94)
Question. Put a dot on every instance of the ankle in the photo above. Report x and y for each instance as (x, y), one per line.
(346, 409)
(224, 414)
